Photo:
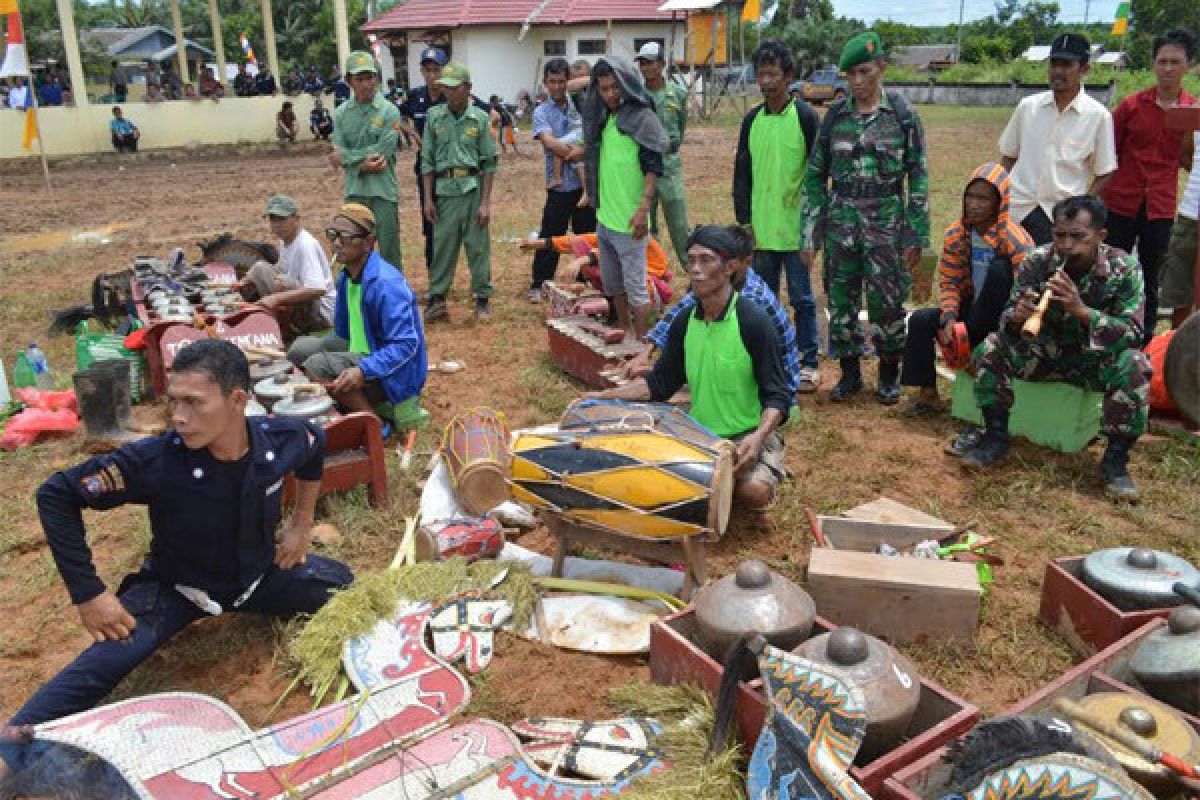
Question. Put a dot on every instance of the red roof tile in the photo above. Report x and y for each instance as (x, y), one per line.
(455, 13)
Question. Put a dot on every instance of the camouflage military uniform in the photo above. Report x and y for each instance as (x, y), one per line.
(1102, 356)
(862, 218)
(671, 104)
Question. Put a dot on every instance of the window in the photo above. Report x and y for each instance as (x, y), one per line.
(554, 47)
(638, 44)
(592, 47)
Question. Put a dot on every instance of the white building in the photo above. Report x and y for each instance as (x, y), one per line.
(504, 43)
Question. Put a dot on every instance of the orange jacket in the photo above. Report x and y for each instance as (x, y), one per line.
(584, 243)
(1006, 237)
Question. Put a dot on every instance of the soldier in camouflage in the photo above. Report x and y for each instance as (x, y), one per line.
(1090, 337)
(855, 207)
(670, 103)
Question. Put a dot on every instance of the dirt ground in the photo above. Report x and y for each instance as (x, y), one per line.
(1040, 504)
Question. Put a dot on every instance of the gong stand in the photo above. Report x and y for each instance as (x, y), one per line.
(687, 550)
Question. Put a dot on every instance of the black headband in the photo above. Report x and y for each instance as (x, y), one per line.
(717, 238)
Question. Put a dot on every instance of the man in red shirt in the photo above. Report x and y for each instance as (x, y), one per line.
(1141, 197)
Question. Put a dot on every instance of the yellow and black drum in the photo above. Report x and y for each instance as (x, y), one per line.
(639, 469)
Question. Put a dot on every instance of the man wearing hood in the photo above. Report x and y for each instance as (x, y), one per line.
(975, 274)
(624, 147)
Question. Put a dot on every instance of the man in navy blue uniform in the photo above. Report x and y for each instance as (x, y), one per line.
(212, 487)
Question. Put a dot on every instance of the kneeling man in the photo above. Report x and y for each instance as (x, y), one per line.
(213, 489)
(728, 352)
(1090, 337)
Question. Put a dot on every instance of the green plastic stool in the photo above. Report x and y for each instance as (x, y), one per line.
(404, 416)
(1055, 415)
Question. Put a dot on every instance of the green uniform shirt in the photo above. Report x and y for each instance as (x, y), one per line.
(856, 171)
(720, 374)
(361, 130)
(671, 104)
(778, 158)
(621, 179)
(358, 333)
(463, 142)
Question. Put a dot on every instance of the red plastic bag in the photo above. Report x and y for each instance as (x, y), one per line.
(48, 400)
(1156, 351)
(27, 427)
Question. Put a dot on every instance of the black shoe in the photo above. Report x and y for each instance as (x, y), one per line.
(851, 381)
(966, 439)
(888, 391)
(993, 445)
(436, 310)
(1118, 484)
(482, 310)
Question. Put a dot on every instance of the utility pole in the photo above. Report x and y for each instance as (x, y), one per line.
(958, 48)
(1087, 11)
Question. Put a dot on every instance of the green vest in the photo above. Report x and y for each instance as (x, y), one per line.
(720, 374)
(778, 156)
(621, 178)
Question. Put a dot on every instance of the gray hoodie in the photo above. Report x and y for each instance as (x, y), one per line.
(636, 118)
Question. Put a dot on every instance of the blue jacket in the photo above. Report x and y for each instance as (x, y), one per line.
(393, 326)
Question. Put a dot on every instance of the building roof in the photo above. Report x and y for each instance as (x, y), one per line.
(116, 42)
(415, 14)
(921, 55)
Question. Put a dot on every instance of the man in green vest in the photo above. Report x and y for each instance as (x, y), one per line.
(728, 352)
(768, 192)
(458, 166)
(365, 132)
(869, 145)
(670, 103)
(623, 158)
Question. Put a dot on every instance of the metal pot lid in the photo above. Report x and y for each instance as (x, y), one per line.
(255, 408)
(268, 367)
(1138, 576)
(1152, 720)
(754, 599)
(886, 675)
(304, 404)
(1171, 653)
(278, 386)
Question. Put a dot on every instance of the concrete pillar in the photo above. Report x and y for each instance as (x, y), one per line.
(180, 42)
(214, 18)
(341, 30)
(269, 38)
(66, 24)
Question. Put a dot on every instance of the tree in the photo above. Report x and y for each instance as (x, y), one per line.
(1149, 18)
(896, 34)
(979, 48)
(815, 44)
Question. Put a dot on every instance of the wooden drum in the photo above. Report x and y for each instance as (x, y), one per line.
(638, 469)
(477, 456)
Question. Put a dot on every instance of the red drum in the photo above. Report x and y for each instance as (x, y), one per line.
(477, 456)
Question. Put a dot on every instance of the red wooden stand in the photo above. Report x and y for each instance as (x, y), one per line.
(353, 455)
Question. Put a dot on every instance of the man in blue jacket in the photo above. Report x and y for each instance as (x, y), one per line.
(377, 351)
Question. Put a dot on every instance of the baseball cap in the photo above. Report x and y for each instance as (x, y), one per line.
(433, 54)
(651, 51)
(359, 214)
(280, 205)
(359, 61)
(1071, 46)
(454, 74)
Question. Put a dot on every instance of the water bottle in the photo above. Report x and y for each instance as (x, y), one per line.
(39, 365)
(23, 374)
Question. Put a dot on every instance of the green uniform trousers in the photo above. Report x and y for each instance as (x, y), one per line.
(387, 227)
(669, 191)
(456, 227)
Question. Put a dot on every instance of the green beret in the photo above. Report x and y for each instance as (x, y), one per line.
(866, 46)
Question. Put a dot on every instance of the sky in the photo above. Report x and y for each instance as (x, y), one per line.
(943, 12)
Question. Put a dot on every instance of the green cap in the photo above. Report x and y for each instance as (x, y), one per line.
(280, 205)
(866, 46)
(454, 74)
(359, 61)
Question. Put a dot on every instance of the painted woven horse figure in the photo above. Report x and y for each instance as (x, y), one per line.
(178, 745)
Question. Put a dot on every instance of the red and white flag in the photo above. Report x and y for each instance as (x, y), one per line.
(15, 60)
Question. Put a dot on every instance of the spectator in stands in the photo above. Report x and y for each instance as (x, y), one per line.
(172, 86)
(264, 83)
(243, 83)
(210, 87)
(320, 122)
(293, 82)
(18, 94)
(125, 134)
(341, 89)
(52, 92)
(312, 82)
(118, 83)
(285, 123)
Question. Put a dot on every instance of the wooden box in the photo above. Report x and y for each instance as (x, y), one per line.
(674, 658)
(1080, 614)
(926, 777)
(900, 599)
(578, 346)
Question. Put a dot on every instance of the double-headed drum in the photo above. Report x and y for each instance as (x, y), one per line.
(639, 469)
(476, 451)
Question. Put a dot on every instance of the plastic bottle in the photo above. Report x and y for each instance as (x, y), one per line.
(5, 395)
(40, 366)
(23, 374)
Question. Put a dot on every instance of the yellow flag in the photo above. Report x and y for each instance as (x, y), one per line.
(8, 6)
(31, 126)
(750, 11)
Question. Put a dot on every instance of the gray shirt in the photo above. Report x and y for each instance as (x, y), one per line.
(548, 117)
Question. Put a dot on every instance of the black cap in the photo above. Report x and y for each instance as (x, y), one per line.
(1071, 46)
